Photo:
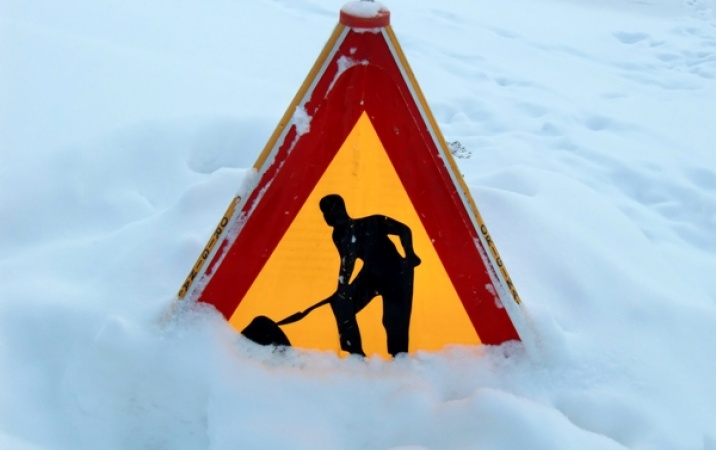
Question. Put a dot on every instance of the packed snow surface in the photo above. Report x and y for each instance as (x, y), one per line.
(364, 8)
(587, 135)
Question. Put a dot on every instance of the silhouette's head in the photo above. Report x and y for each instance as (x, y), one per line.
(334, 209)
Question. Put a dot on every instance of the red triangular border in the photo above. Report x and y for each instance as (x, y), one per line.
(373, 83)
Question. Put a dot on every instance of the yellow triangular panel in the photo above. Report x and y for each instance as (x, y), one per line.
(303, 268)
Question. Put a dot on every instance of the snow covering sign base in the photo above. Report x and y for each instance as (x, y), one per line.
(358, 234)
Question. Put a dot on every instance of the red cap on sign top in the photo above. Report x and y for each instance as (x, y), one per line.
(365, 14)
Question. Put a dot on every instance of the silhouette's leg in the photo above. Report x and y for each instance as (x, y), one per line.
(396, 320)
(397, 306)
(348, 332)
(360, 293)
(362, 290)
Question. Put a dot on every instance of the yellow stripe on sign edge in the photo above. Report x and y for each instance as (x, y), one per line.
(301, 94)
(204, 255)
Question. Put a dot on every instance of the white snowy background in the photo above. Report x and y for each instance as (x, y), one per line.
(589, 131)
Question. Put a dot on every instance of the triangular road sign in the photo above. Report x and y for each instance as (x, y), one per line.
(358, 209)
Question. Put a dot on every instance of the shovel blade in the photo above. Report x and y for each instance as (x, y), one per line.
(265, 331)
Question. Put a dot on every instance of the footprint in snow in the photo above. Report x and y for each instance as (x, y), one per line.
(630, 38)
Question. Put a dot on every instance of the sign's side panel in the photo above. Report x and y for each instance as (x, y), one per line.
(236, 213)
(485, 238)
(302, 156)
(241, 207)
(425, 172)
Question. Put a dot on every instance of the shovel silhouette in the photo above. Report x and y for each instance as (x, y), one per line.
(265, 331)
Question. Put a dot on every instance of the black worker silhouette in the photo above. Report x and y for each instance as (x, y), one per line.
(384, 273)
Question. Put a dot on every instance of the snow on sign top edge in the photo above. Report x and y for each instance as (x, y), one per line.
(365, 14)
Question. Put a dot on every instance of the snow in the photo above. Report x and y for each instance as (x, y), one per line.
(126, 128)
(302, 120)
(363, 8)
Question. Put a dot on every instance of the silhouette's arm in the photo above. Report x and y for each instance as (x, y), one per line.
(403, 232)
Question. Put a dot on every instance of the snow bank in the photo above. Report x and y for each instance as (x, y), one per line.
(127, 130)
